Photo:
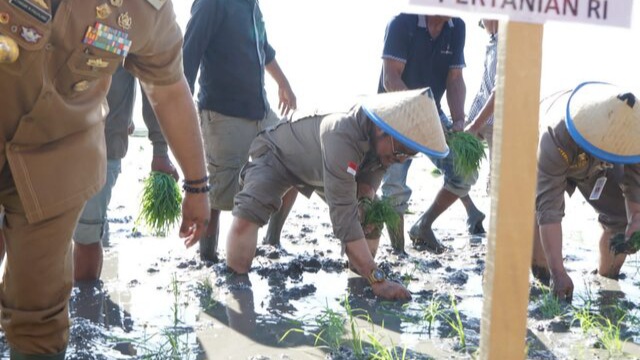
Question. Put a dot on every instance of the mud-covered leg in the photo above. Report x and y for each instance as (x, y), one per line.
(209, 242)
(241, 245)
(610, 264)
(277, 219)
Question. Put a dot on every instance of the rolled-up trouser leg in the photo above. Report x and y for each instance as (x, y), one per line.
(37, 280)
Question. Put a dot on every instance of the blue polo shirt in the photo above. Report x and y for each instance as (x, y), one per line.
(427, 60)
(227, 42)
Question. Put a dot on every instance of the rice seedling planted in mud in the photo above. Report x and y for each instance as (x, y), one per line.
(456, 324)
(431, 313)
(619, 245)
(550, 306)
(160, 204)
(383, 352)
(468, 152)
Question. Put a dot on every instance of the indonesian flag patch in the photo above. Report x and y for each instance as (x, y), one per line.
(352, 168)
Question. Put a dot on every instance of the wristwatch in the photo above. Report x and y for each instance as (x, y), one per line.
(376, 276)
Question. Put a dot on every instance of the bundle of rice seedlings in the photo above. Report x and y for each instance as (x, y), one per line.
(619, 245)
(379, 212)
(468, 152)
(161, 203)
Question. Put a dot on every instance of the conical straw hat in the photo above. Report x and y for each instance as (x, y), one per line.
(411, 117)
(604, 120)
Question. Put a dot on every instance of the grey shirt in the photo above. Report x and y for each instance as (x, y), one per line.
(121, 98)
(330, 154)
(563, 165)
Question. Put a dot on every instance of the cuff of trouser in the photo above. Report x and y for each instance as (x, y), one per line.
(16, 355)
(160, 149)
(458, 191)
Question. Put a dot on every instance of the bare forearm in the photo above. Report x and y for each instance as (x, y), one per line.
(551, 236)
(487, 111)
(277, 74)
(360, 257)
(178, 119)
(456, 92)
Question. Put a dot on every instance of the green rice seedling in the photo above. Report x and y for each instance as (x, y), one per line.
(609, 336)
(619, 245)
(436, 172)
(204, 290)
(356, 333)
(468, 152)
(160, 204)
(407, 277)
(456, 324)
(432, 312)
(175, 306)
(379, 212)
(586, 317)
(332, 330)
(550, 306)
(383, 352)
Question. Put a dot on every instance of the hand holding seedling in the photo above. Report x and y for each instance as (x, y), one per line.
(164, 165)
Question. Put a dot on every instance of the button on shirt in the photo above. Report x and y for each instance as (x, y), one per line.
(227, 42)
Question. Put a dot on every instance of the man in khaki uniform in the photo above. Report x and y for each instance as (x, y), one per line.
(593, 148)
(343, 157)
(57, 59)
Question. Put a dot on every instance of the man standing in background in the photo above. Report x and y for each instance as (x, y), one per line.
(226, 41)
(428, 51)
(93, 227)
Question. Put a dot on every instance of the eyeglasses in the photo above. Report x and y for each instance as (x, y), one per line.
(399, 154)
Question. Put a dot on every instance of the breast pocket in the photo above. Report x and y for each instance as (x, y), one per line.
(27, 34)
(83, 68)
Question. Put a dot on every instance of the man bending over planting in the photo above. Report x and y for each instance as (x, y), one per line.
(342, 157)
(593, 147)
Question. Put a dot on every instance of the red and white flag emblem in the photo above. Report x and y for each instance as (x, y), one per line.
(352, 168)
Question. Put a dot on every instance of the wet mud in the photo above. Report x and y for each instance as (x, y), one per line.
(157, 300)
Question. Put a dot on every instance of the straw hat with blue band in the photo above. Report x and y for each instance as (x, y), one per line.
(411, 117)
(605, 121)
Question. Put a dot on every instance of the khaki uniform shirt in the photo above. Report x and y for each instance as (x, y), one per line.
(52, 99)
(330, 154)
(563, 166)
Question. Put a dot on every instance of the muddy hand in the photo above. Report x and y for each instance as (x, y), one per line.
(562, 286)
(195, 217)
(390, 290)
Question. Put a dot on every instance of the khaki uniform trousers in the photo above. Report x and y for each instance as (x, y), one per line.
(38, 276)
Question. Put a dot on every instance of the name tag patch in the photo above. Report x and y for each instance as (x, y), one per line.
(32, 9)
(597, 188)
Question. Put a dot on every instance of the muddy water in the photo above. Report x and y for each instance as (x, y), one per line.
(158, 301)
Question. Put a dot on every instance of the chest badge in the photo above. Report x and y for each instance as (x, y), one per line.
(116, 3)
(97, 63)
(9, 50)
(124, 21)
(4, 18)
(30, 35)
(103, 11)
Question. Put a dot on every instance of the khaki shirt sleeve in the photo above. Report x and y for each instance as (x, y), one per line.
(340, 186)
(551, 183)
(159, 60)
(631, 183)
